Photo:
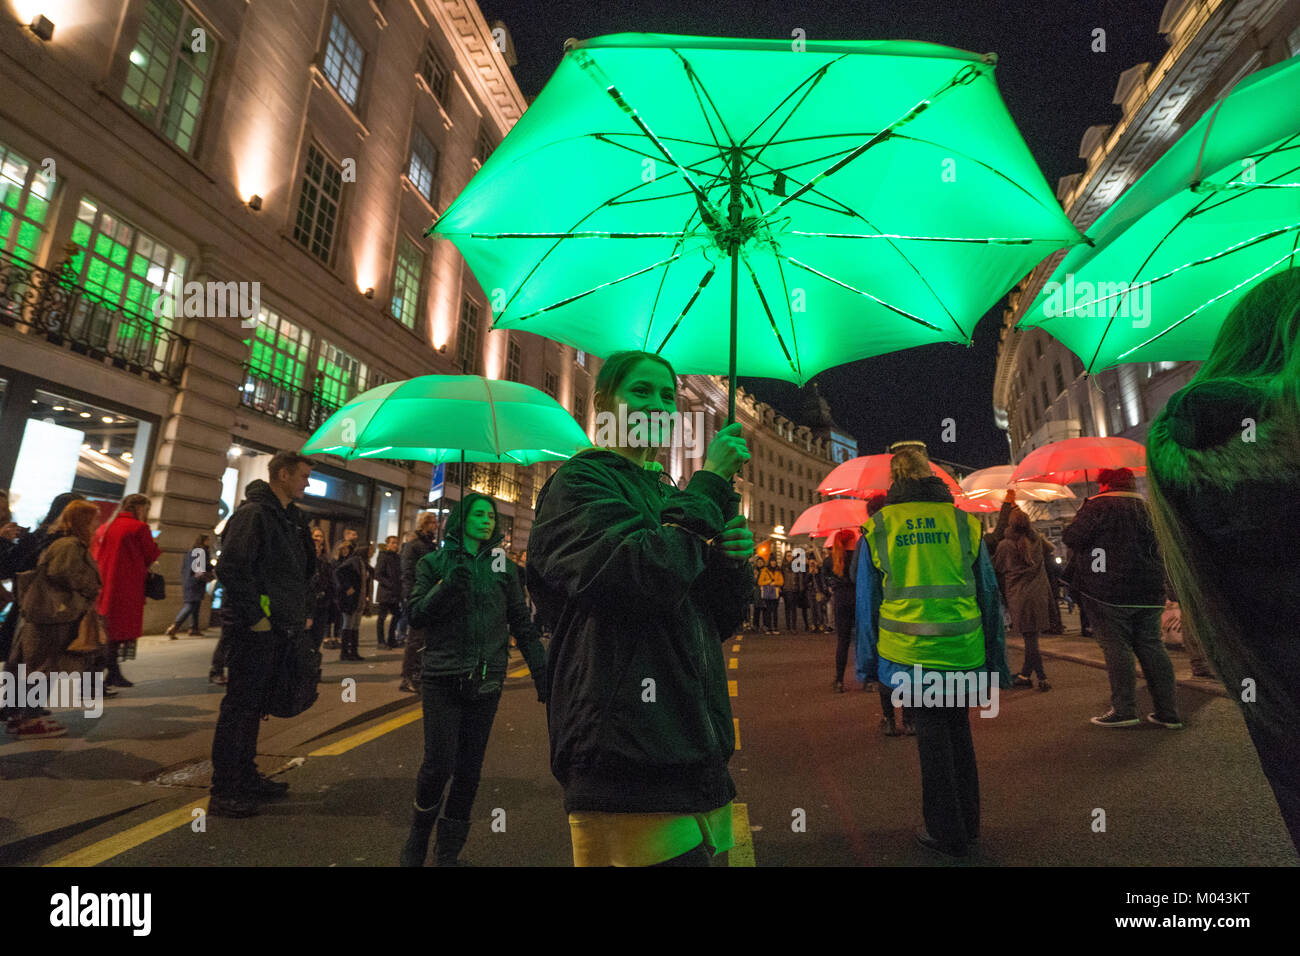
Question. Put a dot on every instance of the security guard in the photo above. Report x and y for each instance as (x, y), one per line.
(934, 634)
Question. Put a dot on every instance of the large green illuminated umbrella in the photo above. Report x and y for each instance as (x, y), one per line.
(446, 418)
(857, 197)
(1218, 213)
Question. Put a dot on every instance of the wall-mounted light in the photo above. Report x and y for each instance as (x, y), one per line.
(42, 26)
(255, 203)
(442, 349)
(370, 293)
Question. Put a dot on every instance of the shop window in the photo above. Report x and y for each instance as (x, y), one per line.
(25, 193)
(422, 169)
(70, 445)
(343, 61)
(169, 71)
(318, 205)
(406, 281)
(121, 265)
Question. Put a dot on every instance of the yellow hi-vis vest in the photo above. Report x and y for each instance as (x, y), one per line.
(929, 614)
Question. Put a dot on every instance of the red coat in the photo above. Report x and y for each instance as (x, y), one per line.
(124, 552)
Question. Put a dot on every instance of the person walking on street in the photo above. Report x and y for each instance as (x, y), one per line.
(324, 595)
(640, 584)
(388, 574)
(125, 551)
(67, 579)
(770, 580)
(350, 583)
(423, 542)
(267, 561)
(836, 570)
(930, 610)
(791, 588)
(1019, 560)
(196, 572)
(469, 609)
(1120, 578)
(1223, 462)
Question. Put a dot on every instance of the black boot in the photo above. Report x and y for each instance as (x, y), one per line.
(451, 840)
(416, 848)
(355, 636)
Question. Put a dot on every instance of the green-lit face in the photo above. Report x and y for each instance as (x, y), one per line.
(481, 521)
(648, 388)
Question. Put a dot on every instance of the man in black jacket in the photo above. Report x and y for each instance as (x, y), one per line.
(1120, 579)
(388, 573)
(415, 549)
(266, 566)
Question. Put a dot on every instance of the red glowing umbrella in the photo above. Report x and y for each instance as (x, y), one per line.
(1079, 459)
(842, 514)
(977, 505)
(862, 477)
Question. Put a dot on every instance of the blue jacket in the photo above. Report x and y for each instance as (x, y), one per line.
(870, 594)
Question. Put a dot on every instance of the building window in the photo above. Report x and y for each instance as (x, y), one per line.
(1042, 385)
(482, 146)
(514, 361)
(435, 72)
(580, 407)
(344, 59)
(406, 281)
(467, 346)
(1078, 366)
(120, 265)
(1060, 378)
(167, 76)
(424, 164)
(318, 205)
(580, 357)
(801, 495)
(339, 376)
(760, 480)
(1038, 347)
(780, 486)
(25, 193)
(783, 517)
(552, 385)
(280, 350)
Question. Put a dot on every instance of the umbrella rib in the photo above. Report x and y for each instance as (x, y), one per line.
(603, 285)
(815, 77)
(892, 308)
(697, 87)
(654, 306)
(794, 367)
(691, 302)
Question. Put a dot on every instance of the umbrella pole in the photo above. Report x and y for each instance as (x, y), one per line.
(733, 214)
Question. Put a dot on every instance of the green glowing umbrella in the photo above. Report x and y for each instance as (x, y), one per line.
(861, 197)
(1214, 216)
(446, 418)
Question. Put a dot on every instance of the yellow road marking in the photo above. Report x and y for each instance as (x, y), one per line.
(97, 853)
(736, 721)
(742, 854)
(735, 662)
(733, 688)
(521, 671)
(365, 736)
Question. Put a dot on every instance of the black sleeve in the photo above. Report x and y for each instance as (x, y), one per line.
(240, 567)
(527, 637)
(430, 601)
(409, 560)
(726, 589)
(1078, 534)
(593, 545)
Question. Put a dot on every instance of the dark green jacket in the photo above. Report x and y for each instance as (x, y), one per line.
(639, 602)
(466, 628)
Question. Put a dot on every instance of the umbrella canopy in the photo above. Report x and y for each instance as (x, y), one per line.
(991, 484)
(447, 418)
(828, 516)
(986, 505)
(1213, 217)
(858, 198)
(869, 474)
(1079, 459)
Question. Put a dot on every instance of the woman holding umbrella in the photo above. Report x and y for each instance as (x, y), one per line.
(468, 602)
(640, 583)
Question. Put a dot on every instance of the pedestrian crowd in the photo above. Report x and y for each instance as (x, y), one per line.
(638, 583)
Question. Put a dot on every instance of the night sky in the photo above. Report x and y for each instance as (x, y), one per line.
(1054, 85)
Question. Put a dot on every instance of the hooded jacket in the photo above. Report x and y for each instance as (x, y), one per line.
(467, 627)
(621, 567)
(412, 552)
(266, 550)
(388, 572)
(1133, 572)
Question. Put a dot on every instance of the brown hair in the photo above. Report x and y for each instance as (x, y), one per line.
(129, 503)
(838, 548)
(77, 519)
(618, 366)
(286, 459)
(909, 462)
(1022, 533)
